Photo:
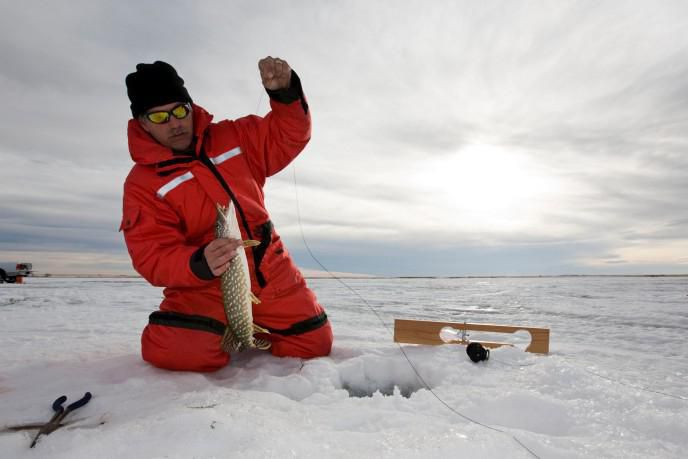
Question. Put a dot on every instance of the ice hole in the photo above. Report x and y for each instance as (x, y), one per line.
(387, 390)
(390, 377)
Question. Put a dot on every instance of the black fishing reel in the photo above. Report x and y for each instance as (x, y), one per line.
(476, 352)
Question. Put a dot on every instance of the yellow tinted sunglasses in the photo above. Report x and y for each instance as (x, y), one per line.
(180, 112)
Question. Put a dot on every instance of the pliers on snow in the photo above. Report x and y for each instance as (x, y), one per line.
(60, 413)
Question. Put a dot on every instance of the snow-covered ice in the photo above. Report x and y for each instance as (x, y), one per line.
(615, 383)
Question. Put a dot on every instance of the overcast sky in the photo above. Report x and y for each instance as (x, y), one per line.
(449, 137)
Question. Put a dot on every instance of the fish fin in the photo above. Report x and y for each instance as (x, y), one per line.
(254, 298)
(258, 329)
(262, 344)
(250, 243)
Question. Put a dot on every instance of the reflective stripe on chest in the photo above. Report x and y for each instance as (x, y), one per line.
(221, 158)
(174, 183)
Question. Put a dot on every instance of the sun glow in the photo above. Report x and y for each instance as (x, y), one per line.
(486, 187)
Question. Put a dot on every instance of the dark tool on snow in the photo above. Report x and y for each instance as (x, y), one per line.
(60, 413)
(477, 352)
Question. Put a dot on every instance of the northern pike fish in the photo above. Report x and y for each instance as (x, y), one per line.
(235, 284)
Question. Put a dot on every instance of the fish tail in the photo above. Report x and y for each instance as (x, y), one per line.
(262, 344)
(229, 342)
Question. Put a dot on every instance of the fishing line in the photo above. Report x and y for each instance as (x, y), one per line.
(413, 367)
(260, 99)
(408, 360)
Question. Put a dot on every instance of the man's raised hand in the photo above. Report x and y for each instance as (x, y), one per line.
(274, 72)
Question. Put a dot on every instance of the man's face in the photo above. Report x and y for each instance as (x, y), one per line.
(176, 134)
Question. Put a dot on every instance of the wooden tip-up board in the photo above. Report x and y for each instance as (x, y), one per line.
(428, 332)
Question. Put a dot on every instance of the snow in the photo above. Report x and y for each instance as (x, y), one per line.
(615, 383)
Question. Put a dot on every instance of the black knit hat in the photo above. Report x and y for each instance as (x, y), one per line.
(154, 84)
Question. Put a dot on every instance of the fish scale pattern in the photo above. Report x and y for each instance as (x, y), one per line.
(235, 284)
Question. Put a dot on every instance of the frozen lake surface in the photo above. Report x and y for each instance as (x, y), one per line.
(615, 383)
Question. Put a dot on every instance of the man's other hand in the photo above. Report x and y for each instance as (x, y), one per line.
(275, 73)
(219, 254)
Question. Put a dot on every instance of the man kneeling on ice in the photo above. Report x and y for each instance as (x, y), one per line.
(188, 170)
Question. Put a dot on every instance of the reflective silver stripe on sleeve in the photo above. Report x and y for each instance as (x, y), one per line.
(172, 184)
(226, 155)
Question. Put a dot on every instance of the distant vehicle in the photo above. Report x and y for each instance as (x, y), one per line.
(11, 271)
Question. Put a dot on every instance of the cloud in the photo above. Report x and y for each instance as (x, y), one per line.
(504, 137)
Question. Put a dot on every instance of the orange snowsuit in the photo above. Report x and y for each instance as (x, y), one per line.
(169, 215)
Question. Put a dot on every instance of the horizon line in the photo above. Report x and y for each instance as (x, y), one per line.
(326, 275)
